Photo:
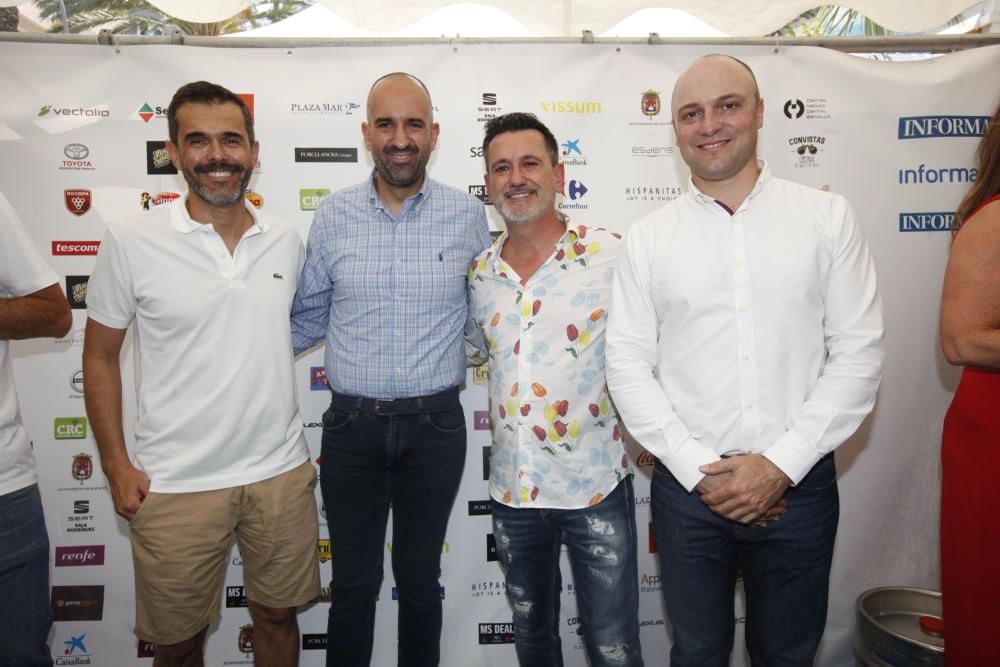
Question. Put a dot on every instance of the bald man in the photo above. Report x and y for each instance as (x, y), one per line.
(744, 346)
(384, 284)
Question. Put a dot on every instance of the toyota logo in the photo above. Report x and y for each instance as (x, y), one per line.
(76, 151)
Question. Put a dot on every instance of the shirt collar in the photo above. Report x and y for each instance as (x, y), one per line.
(418, 197)
(569, 237)
(762, 180)
(182, 222)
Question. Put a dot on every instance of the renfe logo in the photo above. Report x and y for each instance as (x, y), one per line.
(92, 554)
(928, 127)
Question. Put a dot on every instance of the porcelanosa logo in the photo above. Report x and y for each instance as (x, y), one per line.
(480, 507)
(927, 221)
(92, 554)
(326, 154)
(76, 158)
(930, 127)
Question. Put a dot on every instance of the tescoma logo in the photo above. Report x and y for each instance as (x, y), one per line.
(69, 428)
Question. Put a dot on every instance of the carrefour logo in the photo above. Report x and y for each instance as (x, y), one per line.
(927, 127)
(69, 428)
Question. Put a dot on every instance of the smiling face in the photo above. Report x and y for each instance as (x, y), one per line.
(214, 152)
(400, 132)
(717, 112)
(521, 180)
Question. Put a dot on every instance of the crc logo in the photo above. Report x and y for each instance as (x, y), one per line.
(794, 108)
(577, 190)
(76, 151)
(69, 428)
(309, 198)
(92, 554)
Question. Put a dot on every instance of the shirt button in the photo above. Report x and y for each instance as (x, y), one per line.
(399, 333)
(399, 370)
(746, 357)
(743, 309)
(748, 406)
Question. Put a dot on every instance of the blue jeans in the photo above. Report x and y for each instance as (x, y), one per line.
(408, 455)
(601, 542)
(785, 567)
(25, 613)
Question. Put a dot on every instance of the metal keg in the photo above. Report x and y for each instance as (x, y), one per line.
(899, 627)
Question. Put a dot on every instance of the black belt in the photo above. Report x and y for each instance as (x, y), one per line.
(443, 400)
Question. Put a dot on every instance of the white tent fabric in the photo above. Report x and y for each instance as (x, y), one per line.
(570, 17)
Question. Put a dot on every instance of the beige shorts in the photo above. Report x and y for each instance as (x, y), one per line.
(180, 547)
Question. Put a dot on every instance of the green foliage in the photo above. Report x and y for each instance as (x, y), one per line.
(136, 17)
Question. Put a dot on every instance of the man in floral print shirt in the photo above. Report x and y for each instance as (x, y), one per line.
(538, 308)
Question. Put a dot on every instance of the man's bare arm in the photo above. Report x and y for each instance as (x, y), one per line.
(103, 395)
(41, 314)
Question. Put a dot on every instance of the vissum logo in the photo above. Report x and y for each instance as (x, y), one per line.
(928, 127)
(570, 106)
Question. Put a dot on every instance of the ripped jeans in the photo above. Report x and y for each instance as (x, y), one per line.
(601, 542)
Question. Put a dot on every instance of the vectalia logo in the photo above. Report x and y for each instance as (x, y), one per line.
(92, 554)
(88, 112)
(940, 221)
(928, 127)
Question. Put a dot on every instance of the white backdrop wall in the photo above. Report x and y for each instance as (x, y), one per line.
(79, 118)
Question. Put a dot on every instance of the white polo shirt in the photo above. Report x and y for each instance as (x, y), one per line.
(217, 401)
(22, 272)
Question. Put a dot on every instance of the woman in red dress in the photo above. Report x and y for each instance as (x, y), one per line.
(970, 449)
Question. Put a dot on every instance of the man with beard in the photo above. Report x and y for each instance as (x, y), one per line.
(558, 470)
(208, 282)
(744, 346)
(384, 284)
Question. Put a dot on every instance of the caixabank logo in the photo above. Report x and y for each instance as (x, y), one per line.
(927, 221)
(571, 153)
(75, 651)
(934, 127)
(496, 633)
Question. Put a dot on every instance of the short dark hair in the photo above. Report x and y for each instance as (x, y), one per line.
(515, 122)
(203, 92)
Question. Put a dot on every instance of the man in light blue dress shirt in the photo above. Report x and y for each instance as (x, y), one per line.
(384, 284)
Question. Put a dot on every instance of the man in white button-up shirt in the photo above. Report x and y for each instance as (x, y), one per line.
(744, 346)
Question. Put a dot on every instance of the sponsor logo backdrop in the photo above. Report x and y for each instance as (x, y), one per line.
(897, 144)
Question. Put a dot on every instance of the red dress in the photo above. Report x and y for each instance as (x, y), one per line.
(970, 528)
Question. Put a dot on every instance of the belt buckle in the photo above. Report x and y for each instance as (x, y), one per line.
(379, 402)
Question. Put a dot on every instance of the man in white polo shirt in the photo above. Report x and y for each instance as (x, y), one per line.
(208, 283)
(32, 305)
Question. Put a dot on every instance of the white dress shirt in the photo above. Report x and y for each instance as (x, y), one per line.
(756, 332)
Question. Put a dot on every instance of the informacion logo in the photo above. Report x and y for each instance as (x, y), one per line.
(309, 198)
(69, 428)
(481, 419)
(927, 221)
(75, 247)
(934, 175)
(235, 597)
(76, 291)
(77, 603)
(317, 379)
(479, 192)
(91, 554)
(326, 154)
(158, 159)
(930, 127)
(74, 652)
(77, 201)
(314, 642)
(480, 507)
(496, 633)
(76, 158)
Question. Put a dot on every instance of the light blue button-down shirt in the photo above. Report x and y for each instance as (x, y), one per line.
(388, 293)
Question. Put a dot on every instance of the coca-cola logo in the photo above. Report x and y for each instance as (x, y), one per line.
(645, 460)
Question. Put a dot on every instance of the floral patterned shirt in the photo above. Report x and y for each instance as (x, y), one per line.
(556, 438)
